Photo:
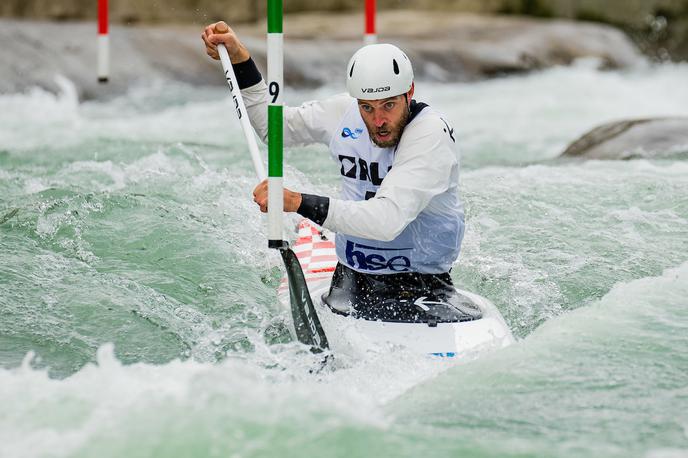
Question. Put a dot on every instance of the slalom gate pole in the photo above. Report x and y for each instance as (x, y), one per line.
(103, 42)
(307, 325)
(275, 124)
(370, 32)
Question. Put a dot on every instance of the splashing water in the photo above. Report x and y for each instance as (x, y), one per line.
(140, 318)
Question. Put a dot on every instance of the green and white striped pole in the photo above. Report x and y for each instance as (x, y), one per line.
(275, 124)
(306, 322)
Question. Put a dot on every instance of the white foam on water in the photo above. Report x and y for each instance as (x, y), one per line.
(39, 117)
(35, 185)
(667, 453)
(264, 400)
(64, 122)
(107, 400)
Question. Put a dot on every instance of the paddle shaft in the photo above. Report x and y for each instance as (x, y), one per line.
(241, 112)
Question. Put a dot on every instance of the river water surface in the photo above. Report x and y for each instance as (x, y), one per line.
(138, 302)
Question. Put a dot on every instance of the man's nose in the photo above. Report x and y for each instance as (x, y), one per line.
(379, 120)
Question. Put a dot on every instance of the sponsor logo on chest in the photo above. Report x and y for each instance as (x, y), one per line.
(377, 260)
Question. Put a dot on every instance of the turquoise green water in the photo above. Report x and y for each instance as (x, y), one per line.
(138, 304)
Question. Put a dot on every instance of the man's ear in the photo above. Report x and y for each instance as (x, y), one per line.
(410, 92)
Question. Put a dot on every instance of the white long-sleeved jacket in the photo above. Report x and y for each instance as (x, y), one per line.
(400, 209)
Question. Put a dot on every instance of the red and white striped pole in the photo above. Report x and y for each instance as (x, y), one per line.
(103, 42)
(370, 33)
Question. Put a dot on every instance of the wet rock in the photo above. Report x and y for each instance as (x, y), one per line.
(639, 138)
(473, 46)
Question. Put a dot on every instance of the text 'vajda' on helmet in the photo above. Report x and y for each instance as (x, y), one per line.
(379, 71)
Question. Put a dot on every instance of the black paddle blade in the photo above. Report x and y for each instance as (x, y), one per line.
(309, 331)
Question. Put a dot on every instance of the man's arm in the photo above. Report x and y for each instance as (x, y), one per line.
(312, 122)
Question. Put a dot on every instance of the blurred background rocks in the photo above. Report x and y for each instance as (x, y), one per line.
(444, 48)
(449, 40)
(659, 27)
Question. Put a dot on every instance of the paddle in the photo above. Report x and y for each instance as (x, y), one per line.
(308, 329)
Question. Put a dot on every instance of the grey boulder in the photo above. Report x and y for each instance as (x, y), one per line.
(639, 138)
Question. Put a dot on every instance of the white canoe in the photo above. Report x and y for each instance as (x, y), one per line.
(357, 336)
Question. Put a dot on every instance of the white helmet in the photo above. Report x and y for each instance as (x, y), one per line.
(379, 71)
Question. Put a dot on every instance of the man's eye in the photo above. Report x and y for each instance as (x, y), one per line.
(367, 108)
(389, 105)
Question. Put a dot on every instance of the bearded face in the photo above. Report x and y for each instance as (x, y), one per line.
(385, 119)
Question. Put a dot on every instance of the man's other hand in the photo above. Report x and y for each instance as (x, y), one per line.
(292, 200)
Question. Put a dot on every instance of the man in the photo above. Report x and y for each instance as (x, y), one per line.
(399, 221)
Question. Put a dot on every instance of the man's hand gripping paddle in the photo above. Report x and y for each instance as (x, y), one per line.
(309, 331)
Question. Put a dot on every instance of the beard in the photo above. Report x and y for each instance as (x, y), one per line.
(394, 132)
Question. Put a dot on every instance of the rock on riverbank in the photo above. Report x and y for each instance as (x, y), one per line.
(444, 47)
(639, 138)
